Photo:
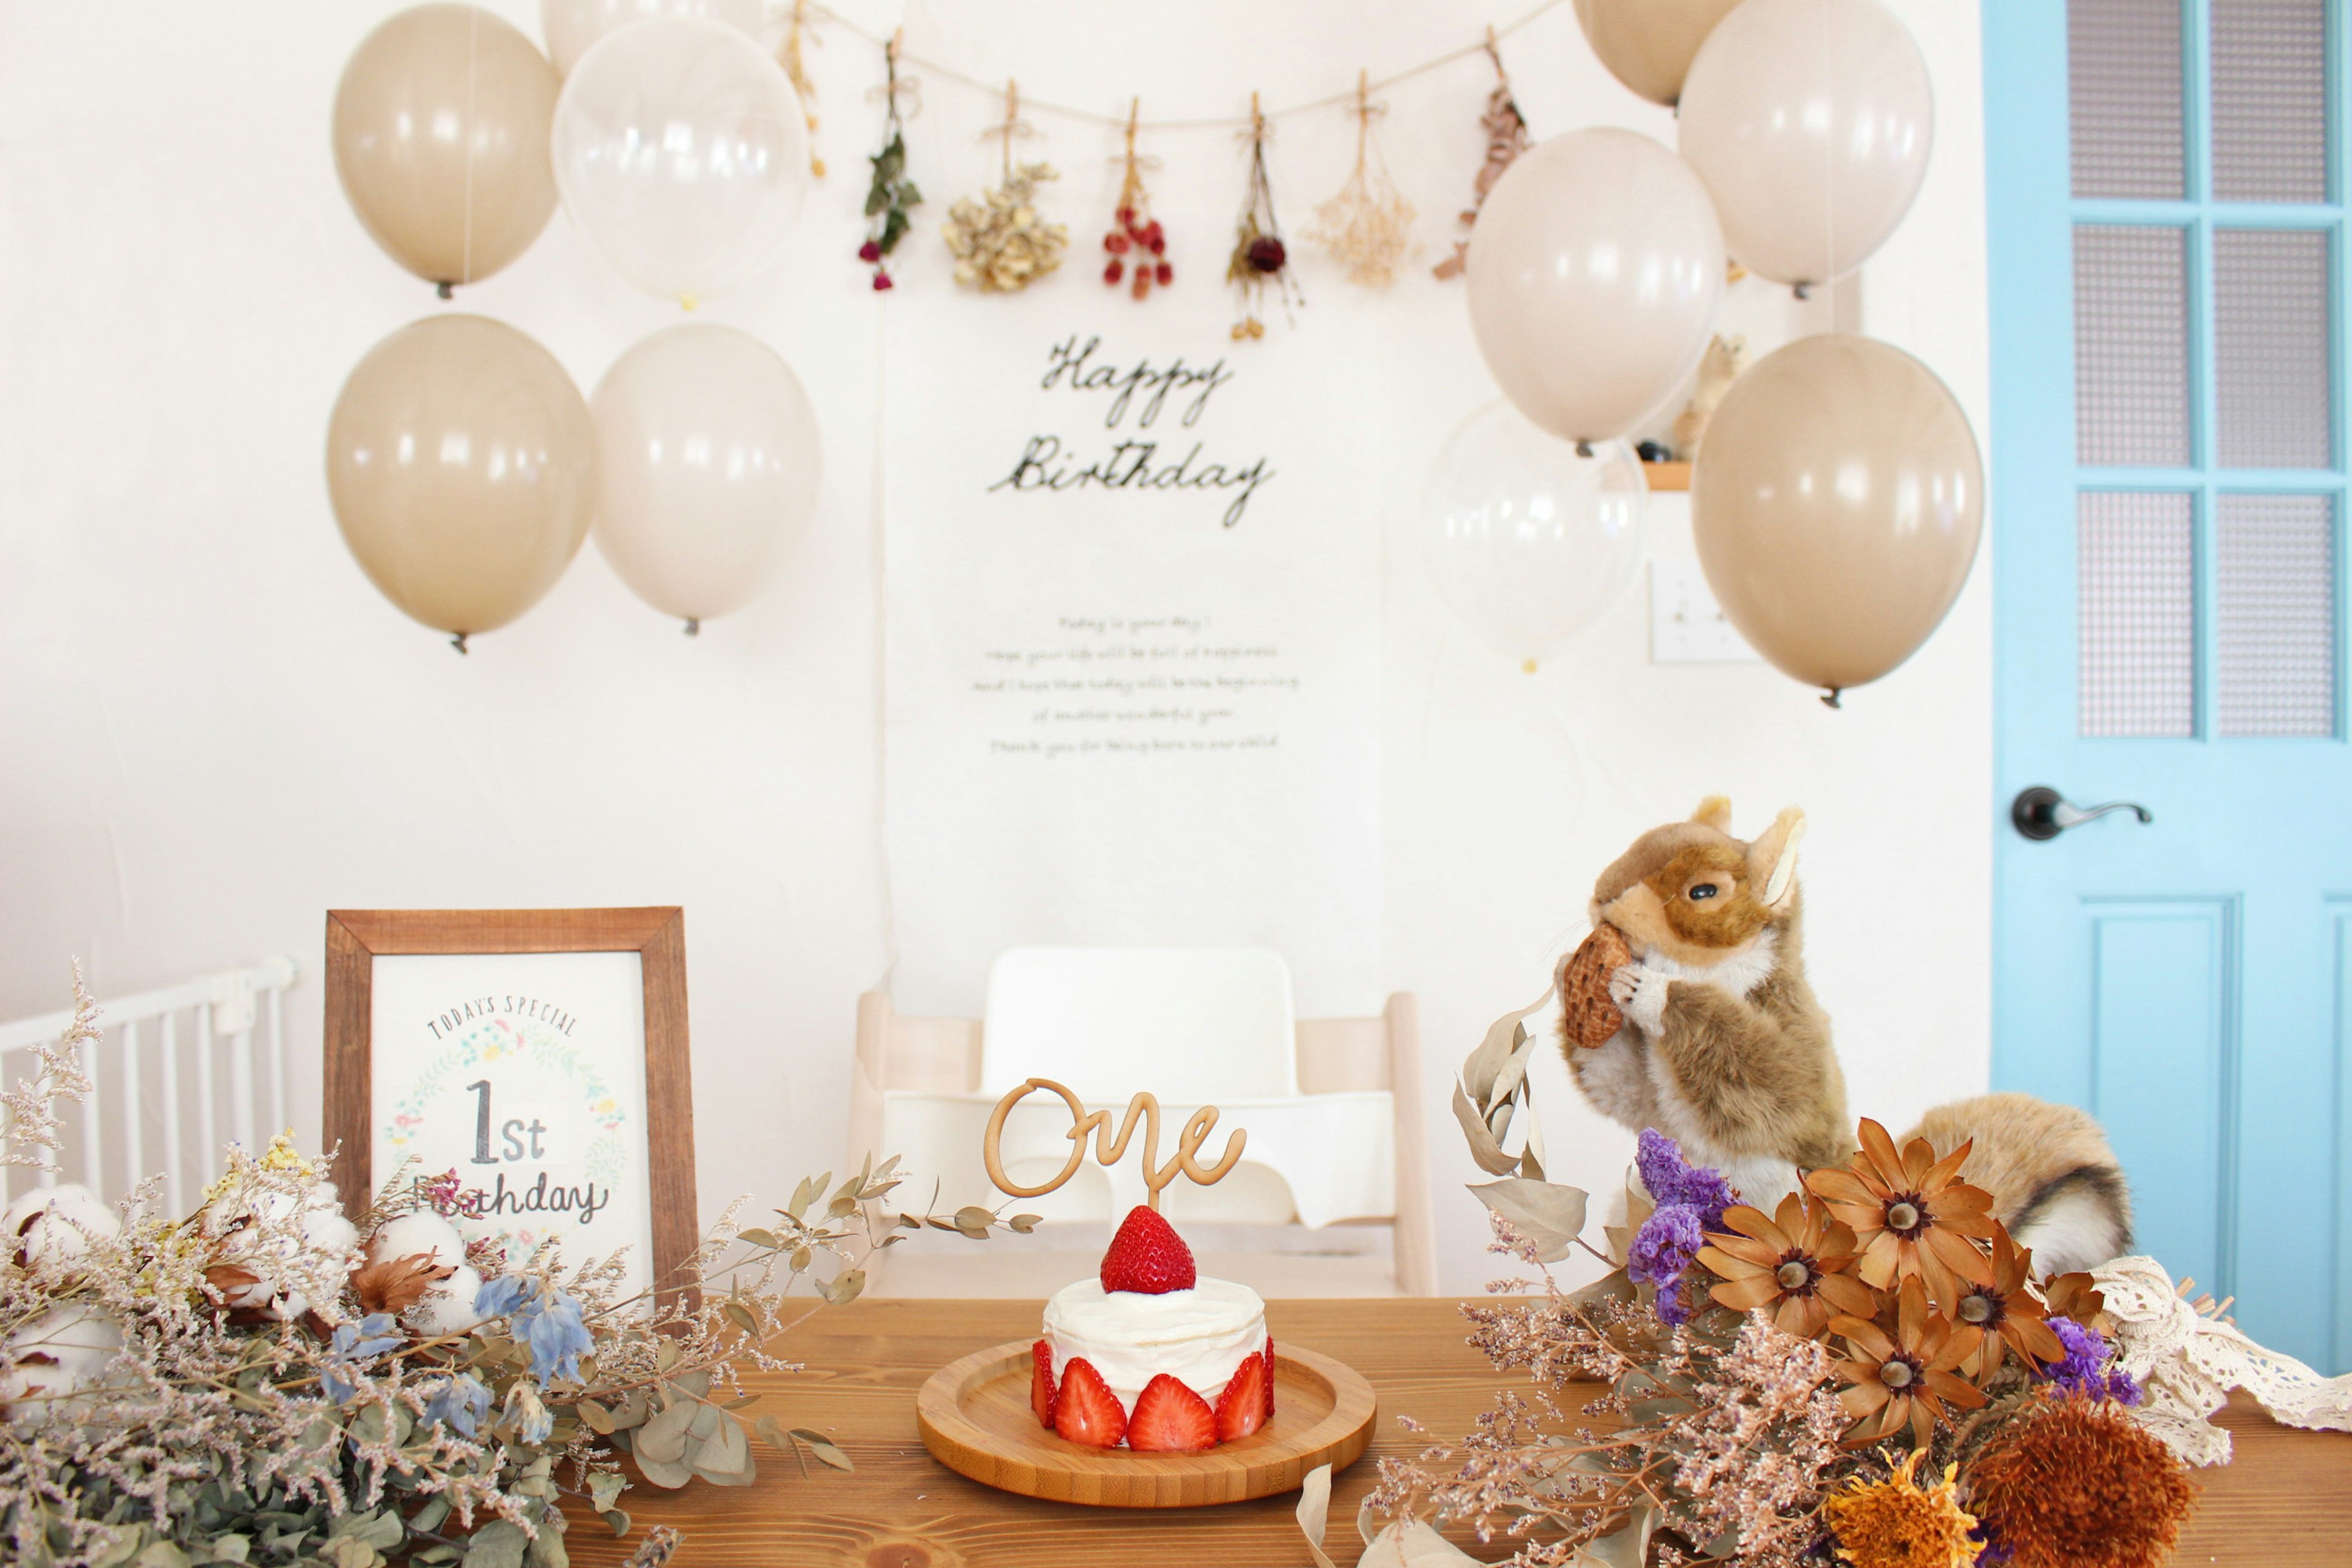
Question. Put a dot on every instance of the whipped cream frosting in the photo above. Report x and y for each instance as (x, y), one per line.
(1198, 1336)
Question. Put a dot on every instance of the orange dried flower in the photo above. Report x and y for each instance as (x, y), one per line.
(1904, 1378)
(2003, 1312)
(1793, 1262)
(2081, 1485)
(2078, 1296)
(1898, 1523)
(1910, 1213)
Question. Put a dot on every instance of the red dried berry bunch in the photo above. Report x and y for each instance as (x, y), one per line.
(1137, 240)
(1136, 245)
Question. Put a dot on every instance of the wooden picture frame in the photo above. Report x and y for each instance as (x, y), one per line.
(357, 938)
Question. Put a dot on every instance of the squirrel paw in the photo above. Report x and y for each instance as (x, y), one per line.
(1640, 994)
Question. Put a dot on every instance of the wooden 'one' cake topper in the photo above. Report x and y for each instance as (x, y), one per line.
(1107, 1149)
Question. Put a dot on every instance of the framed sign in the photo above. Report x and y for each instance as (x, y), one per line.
(538, 1054)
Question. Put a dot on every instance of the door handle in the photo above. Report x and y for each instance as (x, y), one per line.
(2041, 813)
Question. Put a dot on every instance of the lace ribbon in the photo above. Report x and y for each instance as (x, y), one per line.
(2187, 1361)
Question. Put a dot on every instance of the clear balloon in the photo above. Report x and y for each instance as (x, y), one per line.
(1648, 45)
(1811, 121)
(1594, 273)
(1530, 542)
(441, 140)
(681, 152)
(573, 26)
(709, 465)
(1837, 507)
(462, 466)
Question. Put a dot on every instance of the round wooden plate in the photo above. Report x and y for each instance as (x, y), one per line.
(976, 1421)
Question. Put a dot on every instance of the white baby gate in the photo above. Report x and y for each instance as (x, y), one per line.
(173, 1042)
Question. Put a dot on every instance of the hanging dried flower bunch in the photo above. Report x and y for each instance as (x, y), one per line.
(1261, 262)
(1134, 232)
(1000, 242)
(796, 71)
(891, 193)
(1506, 138)
(1368, 227)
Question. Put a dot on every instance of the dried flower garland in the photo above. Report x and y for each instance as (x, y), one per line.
(1368, 227)
(891, 195)
(1260, 262)
(788, 55)
(1000, 242)
(1506, 138)
(1134, 232)
(265, 1381)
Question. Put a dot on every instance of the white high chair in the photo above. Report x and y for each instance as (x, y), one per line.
(1332, 1141)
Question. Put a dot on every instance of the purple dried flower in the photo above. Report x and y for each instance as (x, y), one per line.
(1662, 1250)
(1673, 1180)
(2084, 1369)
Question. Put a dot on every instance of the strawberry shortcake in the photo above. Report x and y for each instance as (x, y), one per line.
(1150, 1354)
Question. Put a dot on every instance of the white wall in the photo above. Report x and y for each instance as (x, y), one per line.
(212, 730)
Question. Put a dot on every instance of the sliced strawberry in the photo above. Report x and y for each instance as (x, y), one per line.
(1148, 1256)
(1269, 1377)
(1242, 1408)
(1084, 1409)
(1169, 1419)
(1041, 1384)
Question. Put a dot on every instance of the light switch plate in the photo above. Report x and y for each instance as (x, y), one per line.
(1686, 626)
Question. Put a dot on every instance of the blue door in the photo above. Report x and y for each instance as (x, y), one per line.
(2165, 183)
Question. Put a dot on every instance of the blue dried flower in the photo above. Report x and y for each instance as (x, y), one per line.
(498, 1297)
(354, 1343)
(2084, 1369)
(459, 1402)
(543, 1317)
(1673, 1180)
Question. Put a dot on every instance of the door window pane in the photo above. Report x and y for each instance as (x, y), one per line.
(2275, 616)
(2270, 346)
(2123, 75)
(2137, 608)
(2131, 346)
(2270, 101)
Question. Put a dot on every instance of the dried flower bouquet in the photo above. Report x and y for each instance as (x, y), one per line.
(266, 1382)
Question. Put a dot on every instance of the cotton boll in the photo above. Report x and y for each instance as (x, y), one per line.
(448, 1307)
(326, 1230)
(48, 1224)
(420, 1232)
(64, 1349)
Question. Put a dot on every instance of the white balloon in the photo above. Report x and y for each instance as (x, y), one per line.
(708, 463)
(681, 152)
(1594, 271)
(573, 26)
(1811, 121)
(1529, 542)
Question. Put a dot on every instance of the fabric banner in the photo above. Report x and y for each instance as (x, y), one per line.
(1131, 684)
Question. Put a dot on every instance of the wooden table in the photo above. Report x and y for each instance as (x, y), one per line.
(2286, 1502)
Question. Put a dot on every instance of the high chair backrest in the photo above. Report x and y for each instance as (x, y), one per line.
(1201, 1024)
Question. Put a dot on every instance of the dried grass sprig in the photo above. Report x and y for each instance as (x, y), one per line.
(1368, 225)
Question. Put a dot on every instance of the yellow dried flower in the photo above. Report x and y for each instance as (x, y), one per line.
(997, 238)
(1898, 1523)
(281, 1155)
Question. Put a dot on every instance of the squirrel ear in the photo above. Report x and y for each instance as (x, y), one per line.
(1713, 812)
(1772, 859)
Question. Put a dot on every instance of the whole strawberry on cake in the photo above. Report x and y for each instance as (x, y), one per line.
(1150, 1354)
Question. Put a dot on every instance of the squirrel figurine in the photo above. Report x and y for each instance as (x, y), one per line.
(1720, 1044)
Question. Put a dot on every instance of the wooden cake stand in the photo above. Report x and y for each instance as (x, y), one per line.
(975, 1419)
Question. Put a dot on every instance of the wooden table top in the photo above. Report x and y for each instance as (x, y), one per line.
(2286, 1502)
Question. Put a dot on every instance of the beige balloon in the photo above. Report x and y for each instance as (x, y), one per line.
(1649, 45)
(441, 140)
(462, 465)
(1837, 505)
